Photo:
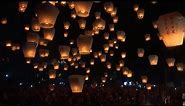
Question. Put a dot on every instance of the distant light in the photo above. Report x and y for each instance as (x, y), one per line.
(6, 75)
(20, 83)
(154, 85)
(122, 86)
(175, 88)
(154, 2)
(31, 86)
(136, 89)
(125, 83)
(60, 83)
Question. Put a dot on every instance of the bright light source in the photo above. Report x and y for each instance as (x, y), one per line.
(6, 75)
(20, 83)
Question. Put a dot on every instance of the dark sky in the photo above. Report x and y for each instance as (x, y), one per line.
(135, 29)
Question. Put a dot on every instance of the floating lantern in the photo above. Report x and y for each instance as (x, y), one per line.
(140, 13)
(97, 15)
(103, 57)
(4, 21)
(109, 7)
(66, 25)
(111, 53)
(99, 24)
(106, 35)
(148, 86)
(63, 3)
(33, 37)
(82, 23)
(83, 8)
(115, 19)
(111, 27)
(73, 14)
(71, 4)
(22, 6)
(147, 37)
(153, 59)
(136, 7)
(74, 51)
(123, 54)
(92, 62)
(27, 27)
(121, 63)
(87, 70)
(103, 79)
(52, 74)
(35, 25)
(125, 70)
(8, 43)
(114, 12)
(140, 52)
(118, 68)
(144, 79)
(29, 49)
(129, 75)
(76, 83)
(44, 53)
(170, 62)
(95, 54)
(43, 42)
(155, 24)
(66, 67)
(180, 66)
(121, 36)
(64, 51)
(108, 65)
(49, 33)
(106, 48)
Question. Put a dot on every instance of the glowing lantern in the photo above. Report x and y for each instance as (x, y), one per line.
(95, 54)
(71, 4)
(129, 75)
(108, 65)
(28, 60)
(29, 49)
(66, 25)
(147, 37)
(140, 52)
(140, 13)
(123, 54)
(111, 27)
(121, 63)
(103, 57)
(82, 64)
(97, 15)
(52, 74)
(103, 79)
(99, 24)
(83, 8)
(125, 70)
(111, 53)
(33, 37)
(116, 46)
(82, 23)
(76, 83)
(115, 19)
(106, 74)
(73, 14)
(74, 51)
(87, 70)
(111, 43)
(63, 3)
(51, 87)
(84, 44)
(92, 62)
(35, 25)
(99, 53)
(55, 65)
(44, 64)
(144, 79)
(153, 59)
(160, 37)
(121, 36)
(155, 24)
(170, 62)
(66, 67)
(43, 42)
(47, 15)
(64, 51)
(89, 32)
(106, 48)
(76, 65)
(65, 34)
(171, 28)
(35, 65)
(86, 77)
(40, 67)
(114, 12)
(49, 34)
(78, 56)
(109, 7)
(71, 41)
(118, 68)
(96, 31)
(44, 53)
(136, 7)
(180, 66)
(53, 2)
(106, 35)
(8, 43)
(4, 21)
(22, 6)
(26, 27)
(148, 86)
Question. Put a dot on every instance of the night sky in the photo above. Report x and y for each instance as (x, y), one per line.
(13, 67)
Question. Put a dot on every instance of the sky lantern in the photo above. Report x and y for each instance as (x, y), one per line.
(109, 7)
(66, 25)
(106, 48)
(121, 63)
(55, 64)
(66, 67)
(4, 21)
(35, 25)
(49, 33)
(115, 19)
(8, 43)
(22, 6)
(29, 49)
(76, 83)
(144, 79)
(64, 51)
(148, 86)
(99, 24)
(121, 36)
(108, 65)
(147, 37)
(43, 42)
(123, 55)
(33, 37)
(140, 52)
(129, 75)
(106, 35)
(52, 74)
(103, 58)
(97, 15)
(47, 15)
(140, 13)
(103, 79)
(171, 28)
(180, 66)
(153, 59)
(83, 8)
(82, 23)
(136, 7)
(114, 12)
(71, 4)
(170, 62)
(111, 53)
(84, 44)
(155, 24)
(43, 52)
(92, 62)
(118, 67)
(111, 27)
(73, 14)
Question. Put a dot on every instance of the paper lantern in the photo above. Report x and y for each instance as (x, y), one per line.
(97, 15)
(82, 64)
(82, 23)
(125, 70)
(147, 37)
(71, 4)
(47, 15)
(33, 37)
(53, 2)
(76, 83)
(35, 65)
(115, 19)
(136, 7)
(140, 13)
(28, 60)
(86, 77)
(114, 12)
(103, 79)
(96, 31)
(92, 62)
(78, 56)
(27, 27)
(111, 27)
(99, 53)
(171, 28)
(108, 65)
(103, 57)
(74, 51)
(111, 43)
(121, 63)
(65, 34)
(106, 74)
(89, 32)
(49, 33)
(108, 6)
(76, 65)
(4, 21)
(22, 6)
(35, 25)
(73, 14)
(40, 67)
(43, 42)
(64, 51)
(123, 54)
(140, 52)
(8, 43)
(99, 24)
(148, 86)
(153, 59)
(129, 75)
(144, 79)
(56, 66)
(121, 36)
(87, 70)
(118, 68)
(106, 35)
(180, 66)
(66, 25)
(170, 62)
(44, 53)
(29, 49)
(106, 48)
(84, 44)
(44, 64)
(66, 67)
(52, 74)
(51, 87)
(111, 53)
(63, 3)
(83, 8)
(95, 54)
(155, 24)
